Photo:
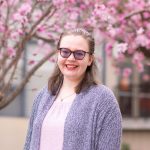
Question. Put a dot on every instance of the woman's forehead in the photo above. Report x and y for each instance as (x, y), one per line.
(74, 41)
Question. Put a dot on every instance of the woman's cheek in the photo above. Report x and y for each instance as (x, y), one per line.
(60, 62)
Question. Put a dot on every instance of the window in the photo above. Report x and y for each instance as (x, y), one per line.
(144, 94)
(134, 92)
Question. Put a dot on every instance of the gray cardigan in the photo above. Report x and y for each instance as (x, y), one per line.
(93, 122)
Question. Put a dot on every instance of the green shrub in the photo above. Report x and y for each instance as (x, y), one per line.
(125, 146)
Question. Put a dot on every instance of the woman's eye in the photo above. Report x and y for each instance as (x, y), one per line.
(65, 51)
(79, 53)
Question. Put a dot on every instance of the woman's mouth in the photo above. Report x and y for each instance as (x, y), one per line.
(71, 66)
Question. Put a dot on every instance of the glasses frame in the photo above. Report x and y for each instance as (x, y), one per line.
(74, 53)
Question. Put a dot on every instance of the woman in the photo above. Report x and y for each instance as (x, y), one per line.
(74, 112)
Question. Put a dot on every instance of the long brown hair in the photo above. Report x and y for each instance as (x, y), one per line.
(91, 74)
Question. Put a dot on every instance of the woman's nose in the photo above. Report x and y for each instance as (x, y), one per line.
(71, 57)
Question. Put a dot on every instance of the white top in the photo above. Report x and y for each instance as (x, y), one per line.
(53, 125)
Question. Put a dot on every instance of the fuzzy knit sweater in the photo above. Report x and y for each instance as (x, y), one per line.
(92, 123)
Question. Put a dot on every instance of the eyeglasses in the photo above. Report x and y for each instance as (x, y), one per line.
(78, 54)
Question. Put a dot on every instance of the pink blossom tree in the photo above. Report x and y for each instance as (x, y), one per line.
(125, 25)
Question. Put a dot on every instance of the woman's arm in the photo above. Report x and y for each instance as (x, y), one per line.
(32, 118)
(111, 131)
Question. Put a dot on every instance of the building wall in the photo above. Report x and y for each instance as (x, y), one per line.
(137, 140)
(12, 133)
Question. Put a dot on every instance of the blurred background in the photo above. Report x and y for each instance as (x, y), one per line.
(29, 34)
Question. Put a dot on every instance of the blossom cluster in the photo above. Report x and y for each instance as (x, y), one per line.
(125, 24)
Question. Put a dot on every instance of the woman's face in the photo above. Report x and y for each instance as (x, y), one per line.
(70, 67)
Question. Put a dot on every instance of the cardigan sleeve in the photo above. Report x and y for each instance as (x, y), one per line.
(109, 136)
(31, 120)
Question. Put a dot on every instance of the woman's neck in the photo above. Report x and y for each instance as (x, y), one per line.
(67, 89)
(69, 85)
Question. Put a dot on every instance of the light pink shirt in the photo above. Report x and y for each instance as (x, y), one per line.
(53, 125)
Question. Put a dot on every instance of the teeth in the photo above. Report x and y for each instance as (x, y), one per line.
(71, 66)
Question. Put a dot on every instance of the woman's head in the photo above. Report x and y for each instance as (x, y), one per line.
(75, 60)
(80, 32)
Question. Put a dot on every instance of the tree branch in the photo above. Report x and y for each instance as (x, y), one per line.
(43, 38)
(41, 19)
(137, 12)
(7, 85)
(7, 99)
(25, 39)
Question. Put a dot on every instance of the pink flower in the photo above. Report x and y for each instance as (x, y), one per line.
(82, 7)
(138, 4)
(127, 72)
(113, 3)
(112, 31)
(31, 62)
(2, 28)
(40, 43)
(70, 25)
(142, 40)
(119, 49)
(18, 17)
(58, 3)
(137, 60)
(140, 67)
(92, 21)
(12, 2)
(11, 52)
(36, 15)
(140, 31)
(74, 15)
(41, 29)
(108, 49)
(20, 32)
(146, 77)
(24, 9)
(14, 35)
(102, 12)
(123, 47)
(122, 20)
(138, 57)
(71, 1)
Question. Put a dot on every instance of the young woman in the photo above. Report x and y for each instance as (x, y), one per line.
(75, 112)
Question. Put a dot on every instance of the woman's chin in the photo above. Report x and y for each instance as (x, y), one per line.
(72, 77)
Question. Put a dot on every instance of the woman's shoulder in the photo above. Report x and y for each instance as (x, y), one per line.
(42, 92)
(41, 96)
(103, 95)
(101, 90)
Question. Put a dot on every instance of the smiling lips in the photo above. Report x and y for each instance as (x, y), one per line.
(71, 66)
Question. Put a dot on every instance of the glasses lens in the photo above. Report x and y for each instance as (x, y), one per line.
(79, 54)
(65, 52)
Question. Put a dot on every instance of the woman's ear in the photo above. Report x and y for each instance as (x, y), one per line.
(91, 58)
